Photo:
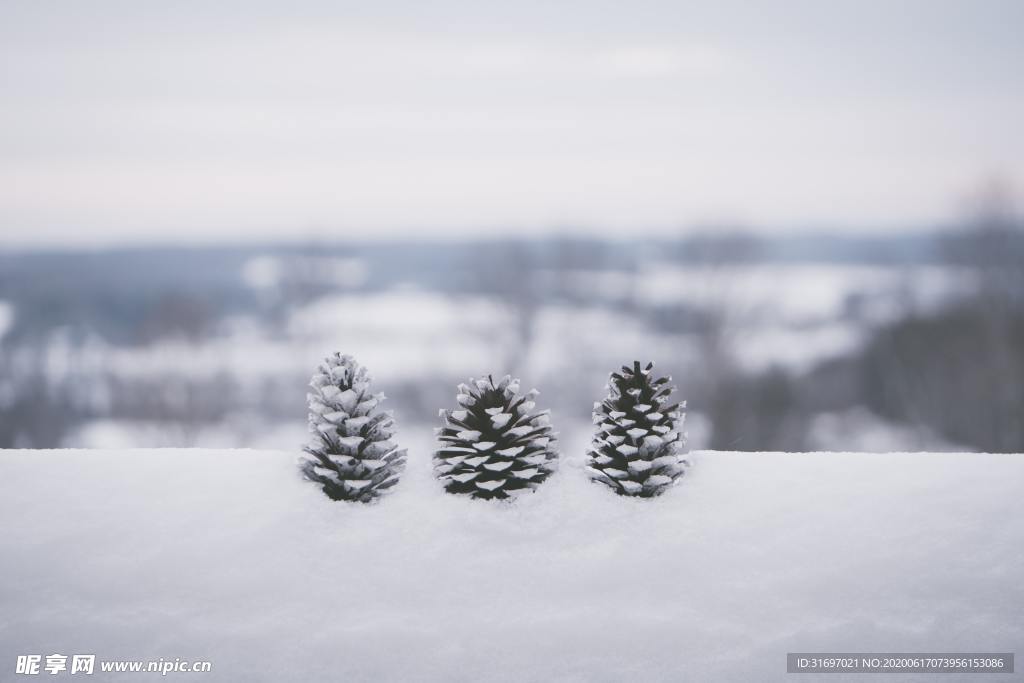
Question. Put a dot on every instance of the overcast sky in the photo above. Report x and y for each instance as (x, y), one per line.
(197, 120)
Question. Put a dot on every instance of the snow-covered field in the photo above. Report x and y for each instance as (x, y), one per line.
(414, 339)
(227, 556)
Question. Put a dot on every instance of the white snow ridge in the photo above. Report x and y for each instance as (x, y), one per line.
(228, 556)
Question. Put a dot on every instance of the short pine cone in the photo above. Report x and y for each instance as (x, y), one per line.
(493, 446)
(637, 448)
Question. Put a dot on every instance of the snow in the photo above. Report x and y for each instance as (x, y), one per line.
(398, 334)
(860, 429)
(415, 341)
(801, 293)
(788, 315)
(262, 272)
(798, 349)
(270, 272)
(227, 555)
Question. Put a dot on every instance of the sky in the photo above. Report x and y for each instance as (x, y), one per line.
(188, 121)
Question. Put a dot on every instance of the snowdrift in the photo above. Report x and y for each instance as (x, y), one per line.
(227, 556)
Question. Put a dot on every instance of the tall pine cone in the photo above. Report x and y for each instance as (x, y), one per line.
(493, 446)
(351, 453)
(637, 447)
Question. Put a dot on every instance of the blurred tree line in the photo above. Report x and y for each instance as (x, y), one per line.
(957, 371)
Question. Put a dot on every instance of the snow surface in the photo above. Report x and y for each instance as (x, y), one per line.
(228, 556)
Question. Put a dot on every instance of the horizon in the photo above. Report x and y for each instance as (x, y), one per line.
(924, 234)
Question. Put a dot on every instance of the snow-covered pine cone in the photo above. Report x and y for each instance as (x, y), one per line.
(350, 453)
(493, 446)
(637, 447)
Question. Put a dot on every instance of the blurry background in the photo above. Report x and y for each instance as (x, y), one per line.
(807, 213)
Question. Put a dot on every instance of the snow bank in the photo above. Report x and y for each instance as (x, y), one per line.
(228, 556)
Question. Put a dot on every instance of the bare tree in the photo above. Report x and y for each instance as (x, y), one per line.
(960, 371)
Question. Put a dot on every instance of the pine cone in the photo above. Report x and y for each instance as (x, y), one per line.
(637, 447)
(351, 453)
(493, 446)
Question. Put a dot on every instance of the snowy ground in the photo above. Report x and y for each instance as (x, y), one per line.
(228, 556)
